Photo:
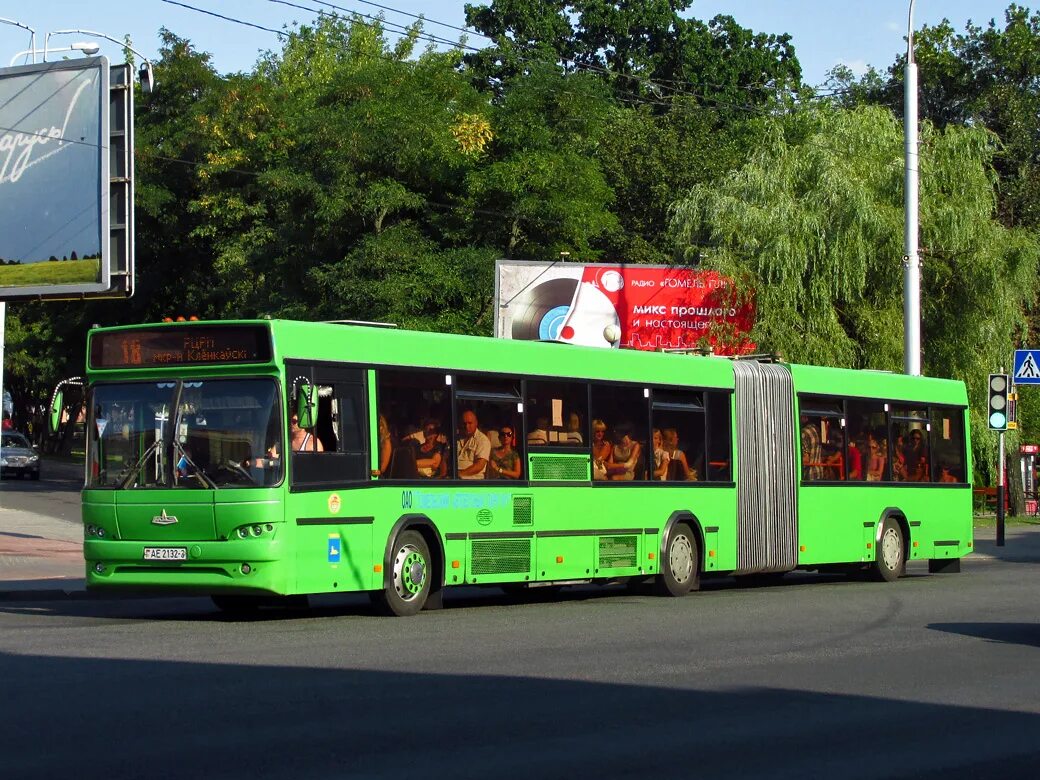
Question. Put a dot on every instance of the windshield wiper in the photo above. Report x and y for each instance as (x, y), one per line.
(195, 470)
(124, 482)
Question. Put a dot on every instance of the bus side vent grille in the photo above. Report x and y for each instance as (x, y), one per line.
(559, 468)
(500, 556)
(523, 510)
(616, 552)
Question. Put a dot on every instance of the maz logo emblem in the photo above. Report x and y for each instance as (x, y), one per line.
(164, 519)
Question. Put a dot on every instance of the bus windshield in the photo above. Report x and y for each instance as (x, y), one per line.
(204, 434)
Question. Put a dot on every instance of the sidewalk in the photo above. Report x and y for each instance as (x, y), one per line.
(41, 557)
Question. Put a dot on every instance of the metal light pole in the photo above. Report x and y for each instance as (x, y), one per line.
(911, 261)
(145, 72)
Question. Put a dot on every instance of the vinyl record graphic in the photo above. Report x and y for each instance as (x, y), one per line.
(540, 311)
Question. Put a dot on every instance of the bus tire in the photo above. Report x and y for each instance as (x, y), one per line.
(681, 563)
(890, 558)
(408, 580)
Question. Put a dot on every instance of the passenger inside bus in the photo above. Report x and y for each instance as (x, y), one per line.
(504, 462)
(899, 460)
(473, 447)
(916, 457)
(661, 458)
(386, 447)
(625, 459)
(572, 434)
(678, 468)
(834, 457)
(601, 449)
(539, 435)
(429, 456)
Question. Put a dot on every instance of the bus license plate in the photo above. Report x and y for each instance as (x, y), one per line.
(166, 553)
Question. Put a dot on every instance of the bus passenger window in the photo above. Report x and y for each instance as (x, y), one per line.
(679, 436)
(484, 407)
(333, 449)
(822, 439)
(911, 460)
(948, 444)
(720, 436)
(624, 411)
(414, 425)
(868, 450)
(557, 414)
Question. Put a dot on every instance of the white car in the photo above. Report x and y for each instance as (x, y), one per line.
(18, 457)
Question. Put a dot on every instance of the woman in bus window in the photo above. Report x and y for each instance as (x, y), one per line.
(429, 454)
(504, 462)
(876, 457)
(917, 457)
(661, 459)
(601, 449)
(899, 460)
(625, 456)
(679, 468)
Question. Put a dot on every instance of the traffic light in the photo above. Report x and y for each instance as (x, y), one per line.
(998, 401)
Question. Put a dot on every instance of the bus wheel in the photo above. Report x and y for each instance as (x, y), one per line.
(680, 569)
(890, 563)
(409, 585)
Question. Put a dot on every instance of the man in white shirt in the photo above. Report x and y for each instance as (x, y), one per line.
(474, 448)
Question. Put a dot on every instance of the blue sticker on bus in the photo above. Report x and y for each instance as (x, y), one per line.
(335, 547)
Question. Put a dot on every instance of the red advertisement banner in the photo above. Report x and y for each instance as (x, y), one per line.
(632, 306)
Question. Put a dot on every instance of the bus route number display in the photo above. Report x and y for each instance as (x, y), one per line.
(180, 347)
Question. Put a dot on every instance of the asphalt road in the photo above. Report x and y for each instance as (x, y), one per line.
(56, 493)
(930, 676)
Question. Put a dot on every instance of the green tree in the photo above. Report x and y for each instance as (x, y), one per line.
(987, 75)
(343, 137)
(539, 189)
(650, 159)
(813, 225)
(642, 49)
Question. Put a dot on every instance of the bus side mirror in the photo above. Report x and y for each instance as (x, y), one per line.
(307, 405)
(54, 413)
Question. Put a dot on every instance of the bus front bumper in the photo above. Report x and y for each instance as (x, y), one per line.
(234, 566)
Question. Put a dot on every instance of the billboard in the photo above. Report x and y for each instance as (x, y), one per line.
(646, 307)
(61, 177)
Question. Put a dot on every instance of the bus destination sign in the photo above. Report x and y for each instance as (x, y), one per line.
(181, 346)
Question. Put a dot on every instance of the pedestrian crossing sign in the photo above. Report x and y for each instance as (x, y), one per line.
(1027, 367)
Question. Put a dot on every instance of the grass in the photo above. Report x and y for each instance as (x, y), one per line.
(47, 272)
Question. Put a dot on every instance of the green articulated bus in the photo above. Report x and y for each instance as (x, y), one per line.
(253, 460)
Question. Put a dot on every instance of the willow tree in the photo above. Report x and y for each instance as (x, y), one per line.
(812, 226)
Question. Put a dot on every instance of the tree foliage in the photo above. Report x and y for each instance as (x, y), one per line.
(813, 224)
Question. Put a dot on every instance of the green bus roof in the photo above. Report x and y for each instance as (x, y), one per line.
(380, 346)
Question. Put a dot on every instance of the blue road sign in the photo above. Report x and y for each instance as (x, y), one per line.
(1027, 367)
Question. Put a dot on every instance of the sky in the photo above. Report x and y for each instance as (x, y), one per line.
(825, 33)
